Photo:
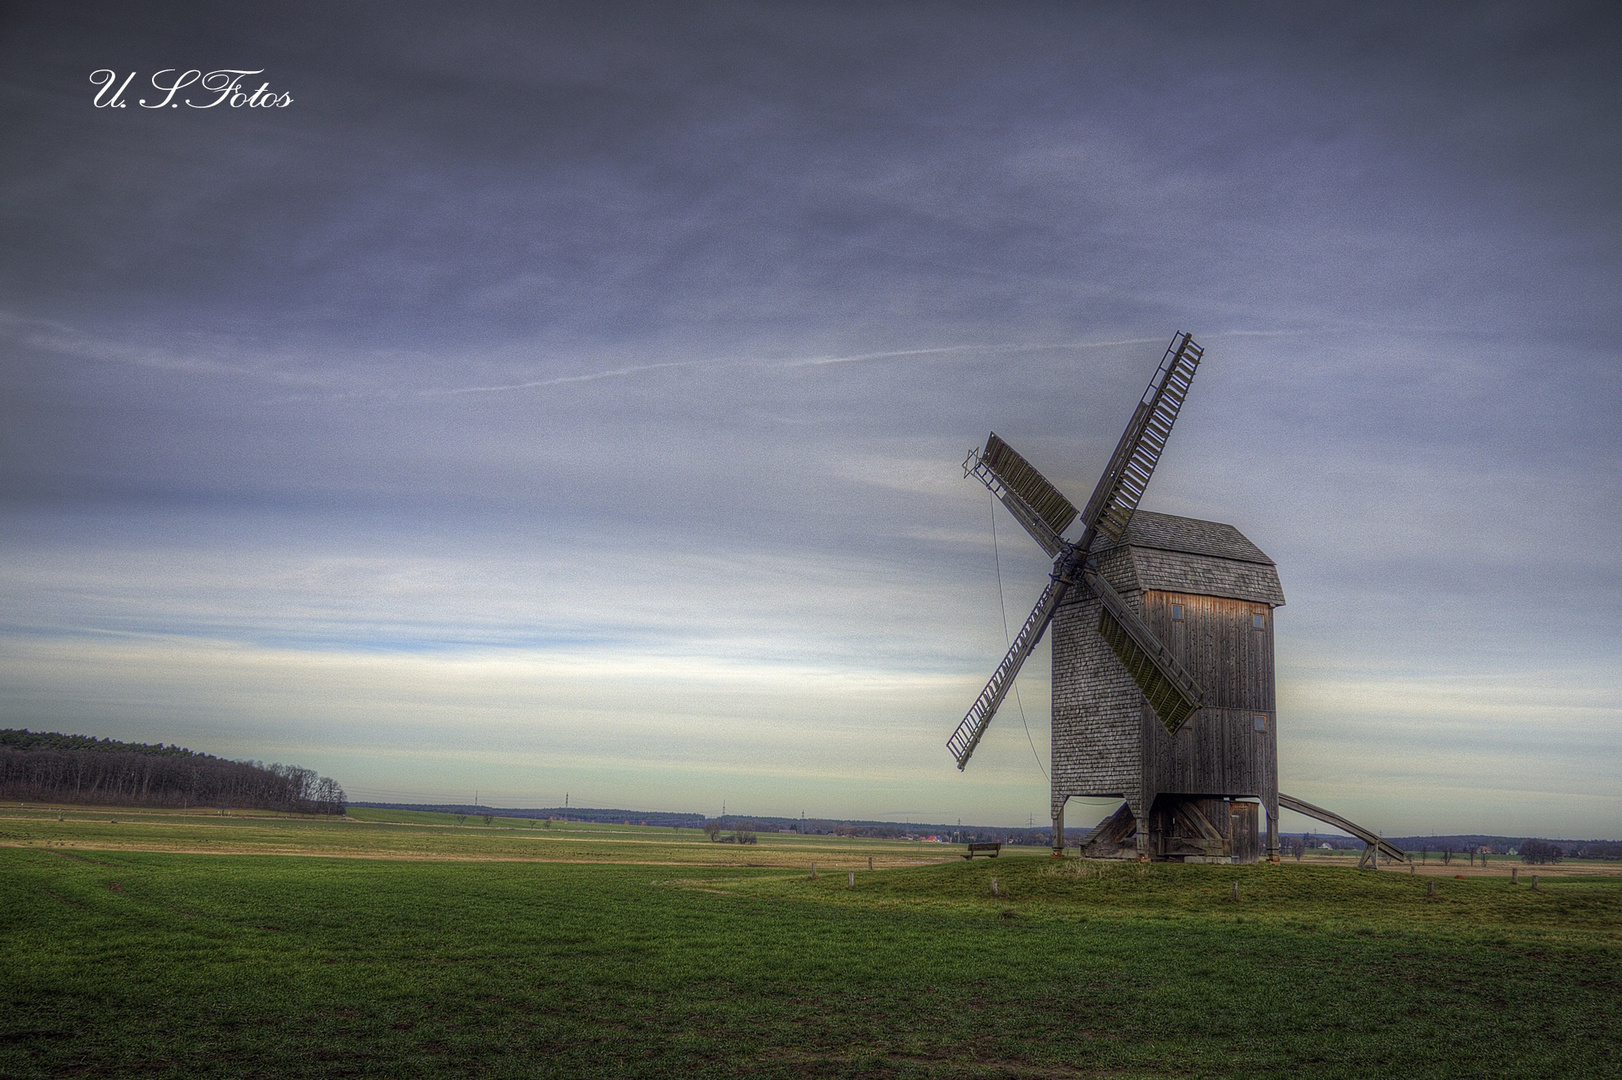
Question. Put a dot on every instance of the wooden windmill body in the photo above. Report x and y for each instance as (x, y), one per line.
(1208, 593)
(1163, 678)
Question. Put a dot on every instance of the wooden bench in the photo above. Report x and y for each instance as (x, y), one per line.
(990, 849)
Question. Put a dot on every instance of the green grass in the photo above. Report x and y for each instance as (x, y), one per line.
(116, 961)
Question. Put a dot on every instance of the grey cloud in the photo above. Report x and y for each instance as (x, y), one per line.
(688, 314)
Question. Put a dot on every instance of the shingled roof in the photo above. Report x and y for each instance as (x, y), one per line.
(1167, 533)
(1207, 558)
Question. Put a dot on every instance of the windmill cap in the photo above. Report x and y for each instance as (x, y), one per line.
(1185, 555)
(1165, 532)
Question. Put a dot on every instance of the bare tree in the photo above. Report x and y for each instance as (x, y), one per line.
(1541, 851)
(329, 797)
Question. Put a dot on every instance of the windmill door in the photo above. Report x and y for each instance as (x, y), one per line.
(1243, 820)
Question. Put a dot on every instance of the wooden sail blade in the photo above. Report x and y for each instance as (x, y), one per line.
(1133, 463)
(1035, 503)
(974, 723)
(1170, 690)
(1022, 477)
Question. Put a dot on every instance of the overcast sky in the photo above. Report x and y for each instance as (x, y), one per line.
(572, 398)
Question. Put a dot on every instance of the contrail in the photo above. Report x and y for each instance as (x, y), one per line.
(67, 340)
(816, 361)
(561, 380)
(1004, 347)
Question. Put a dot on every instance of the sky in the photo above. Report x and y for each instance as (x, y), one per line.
(570, 399)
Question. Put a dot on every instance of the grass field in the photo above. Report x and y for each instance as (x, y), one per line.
(399, 944)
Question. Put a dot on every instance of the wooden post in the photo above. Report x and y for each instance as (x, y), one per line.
(1236, 890)
(1430, 889)
(1534, 881)
(870, 862)
(994, 886)
(813, 870)
(1514, 875)
(852, 883)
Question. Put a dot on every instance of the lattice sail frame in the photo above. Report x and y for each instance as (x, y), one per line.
(1144, 440)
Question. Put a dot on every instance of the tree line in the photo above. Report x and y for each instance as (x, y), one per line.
(47, 766)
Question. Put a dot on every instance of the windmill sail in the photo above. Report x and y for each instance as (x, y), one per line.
(1046, 513)
(1032, 486)
(1171, 691)
(1035, 503)
(973, 725)
(1135, 457)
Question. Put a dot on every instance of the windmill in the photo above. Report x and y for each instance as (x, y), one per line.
(1163, 653)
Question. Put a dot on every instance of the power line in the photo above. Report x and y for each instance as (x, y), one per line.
(1007, 640)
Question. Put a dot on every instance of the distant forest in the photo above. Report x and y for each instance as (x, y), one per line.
(40, 766)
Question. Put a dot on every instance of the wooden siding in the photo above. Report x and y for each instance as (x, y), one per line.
(1096, 748)
(1243, 832)
(1215, 641)
(1175, 571)
(1219, 751)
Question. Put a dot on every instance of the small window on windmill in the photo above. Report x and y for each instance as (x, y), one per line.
(1261, 722)
(1177, 613)
(1258, 621)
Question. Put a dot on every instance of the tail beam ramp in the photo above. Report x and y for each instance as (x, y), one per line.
(973, 725)
(1329, 817)
(1123, 483)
